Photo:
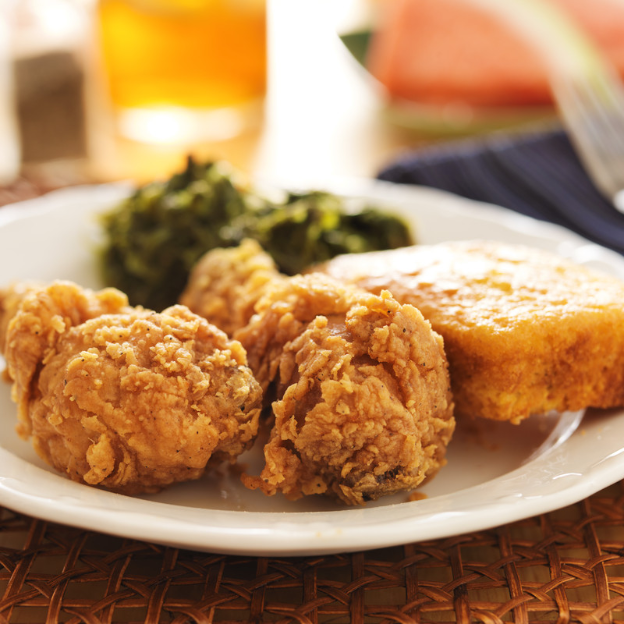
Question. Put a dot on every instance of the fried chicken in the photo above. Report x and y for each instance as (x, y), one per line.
(363, 405)
(525, 331)
(10, 299)
(225, 284)
(126, 398)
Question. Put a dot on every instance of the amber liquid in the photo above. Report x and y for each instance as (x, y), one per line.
(197, 54)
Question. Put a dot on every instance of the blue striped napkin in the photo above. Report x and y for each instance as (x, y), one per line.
(537, 174)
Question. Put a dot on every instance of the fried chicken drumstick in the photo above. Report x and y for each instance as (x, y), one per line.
(362, 402)
(123, 397)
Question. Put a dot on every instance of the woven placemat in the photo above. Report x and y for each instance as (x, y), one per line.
(565, 566)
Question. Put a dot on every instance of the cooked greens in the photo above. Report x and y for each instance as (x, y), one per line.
(314, 227)
(153, 238)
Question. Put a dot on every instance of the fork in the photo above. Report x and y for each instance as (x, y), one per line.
(592, 108)
(587, 90)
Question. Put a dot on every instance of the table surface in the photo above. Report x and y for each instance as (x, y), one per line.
(324, 121)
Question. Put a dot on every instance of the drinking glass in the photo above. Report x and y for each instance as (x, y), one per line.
(184, 70)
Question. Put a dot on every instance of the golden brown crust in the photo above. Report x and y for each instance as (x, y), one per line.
(363, 403)
(288, 305)
(525, 331)
(225, 284)
(10, 300)
(125, 398)
(45, 312)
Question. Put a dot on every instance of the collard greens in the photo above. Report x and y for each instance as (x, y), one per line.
(153, 238)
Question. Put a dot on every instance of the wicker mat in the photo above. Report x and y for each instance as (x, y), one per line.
(565, 566)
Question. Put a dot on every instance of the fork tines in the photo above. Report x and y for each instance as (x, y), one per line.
(592, 107)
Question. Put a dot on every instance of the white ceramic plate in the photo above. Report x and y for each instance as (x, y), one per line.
(496, 473)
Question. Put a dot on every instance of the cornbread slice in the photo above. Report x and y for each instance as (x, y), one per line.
(525, 331)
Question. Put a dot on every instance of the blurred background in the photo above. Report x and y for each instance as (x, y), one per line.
(297, 90)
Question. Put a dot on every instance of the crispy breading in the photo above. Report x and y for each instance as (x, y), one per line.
(525, 331)
(46, 312)
(226, 283)
(363, 405)
(126, 398)
(10, 299)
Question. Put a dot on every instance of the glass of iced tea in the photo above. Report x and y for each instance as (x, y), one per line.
(184, 70)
